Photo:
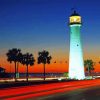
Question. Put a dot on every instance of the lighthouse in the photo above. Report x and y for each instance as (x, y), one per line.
(76, 62)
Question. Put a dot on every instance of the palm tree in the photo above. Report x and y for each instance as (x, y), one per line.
(28, 59)
(44, 58)
(12, 56)
(89, 64)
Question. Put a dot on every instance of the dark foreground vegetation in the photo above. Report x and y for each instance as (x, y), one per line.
(25, 83)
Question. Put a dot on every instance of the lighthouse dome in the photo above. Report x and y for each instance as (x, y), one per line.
(74, 14)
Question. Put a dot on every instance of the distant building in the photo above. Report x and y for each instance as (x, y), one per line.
(3, 73)
(2, 70)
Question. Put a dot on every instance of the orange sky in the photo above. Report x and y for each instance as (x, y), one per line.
(58, 56)
(53, 67)
(38, 68)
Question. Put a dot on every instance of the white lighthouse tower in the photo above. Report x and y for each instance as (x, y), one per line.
(76, 63)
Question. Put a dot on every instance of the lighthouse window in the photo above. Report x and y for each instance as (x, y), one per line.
(77, 45)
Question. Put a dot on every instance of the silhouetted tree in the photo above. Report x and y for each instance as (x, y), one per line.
(44, 58)
(13, 55)
(65, 74)
(28, 59)
(89, 65)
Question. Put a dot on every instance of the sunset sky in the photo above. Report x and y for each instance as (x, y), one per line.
(36, 25)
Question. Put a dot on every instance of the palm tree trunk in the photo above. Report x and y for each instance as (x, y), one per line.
(17, 68)
(15, 72)
(88, 71)
(44, 72)
(27, 74)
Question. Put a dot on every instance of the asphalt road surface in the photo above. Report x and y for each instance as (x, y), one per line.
(92, 93)
(73, 90)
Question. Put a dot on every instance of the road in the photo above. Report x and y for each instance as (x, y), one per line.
(73, 90)
(91, 93)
